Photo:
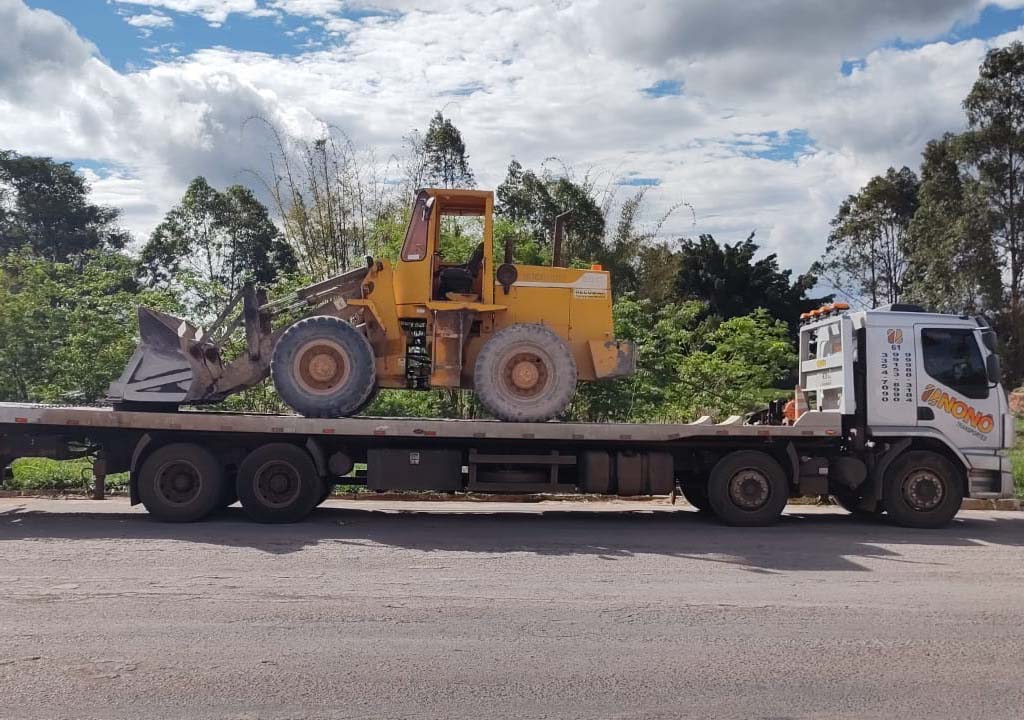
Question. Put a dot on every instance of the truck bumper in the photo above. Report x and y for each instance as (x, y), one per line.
(612, 358)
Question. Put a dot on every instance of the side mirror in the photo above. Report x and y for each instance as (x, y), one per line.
(993, 369)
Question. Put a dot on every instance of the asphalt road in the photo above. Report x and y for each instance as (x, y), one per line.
(540, 613)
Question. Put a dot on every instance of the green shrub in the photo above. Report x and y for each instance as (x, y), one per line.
(44, 474)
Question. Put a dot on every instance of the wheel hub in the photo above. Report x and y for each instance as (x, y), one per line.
(749, 489)
(526, 374)
(277, 484)
(923, 490)
(320, 366)
(179, 482)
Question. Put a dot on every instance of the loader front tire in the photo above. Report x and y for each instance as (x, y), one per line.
(525, 373)
(323, 367)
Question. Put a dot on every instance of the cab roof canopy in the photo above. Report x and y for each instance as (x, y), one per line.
(461, 202)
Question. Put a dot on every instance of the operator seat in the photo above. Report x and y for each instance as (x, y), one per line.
(459, 278)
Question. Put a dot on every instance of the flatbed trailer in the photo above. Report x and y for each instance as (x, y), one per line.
(168, 456)
(904, 415)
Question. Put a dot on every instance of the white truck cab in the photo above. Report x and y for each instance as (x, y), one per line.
(923, 381)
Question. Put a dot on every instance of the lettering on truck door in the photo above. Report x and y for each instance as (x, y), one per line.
(954, 394)
(891, 375)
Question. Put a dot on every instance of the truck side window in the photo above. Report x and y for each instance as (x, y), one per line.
(952, 358)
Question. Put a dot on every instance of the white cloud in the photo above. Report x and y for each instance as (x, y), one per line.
(149, 21)
(213, 11)
(529, 80)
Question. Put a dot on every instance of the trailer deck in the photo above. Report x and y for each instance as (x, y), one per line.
(81, 419)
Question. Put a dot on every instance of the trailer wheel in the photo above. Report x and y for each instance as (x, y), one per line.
(323, 367)
(748, 488)
(922, 489)
(525, 373)
(697, 495)
(181, 482)
(278, 483)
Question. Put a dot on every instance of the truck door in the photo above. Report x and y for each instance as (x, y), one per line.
(954, 395)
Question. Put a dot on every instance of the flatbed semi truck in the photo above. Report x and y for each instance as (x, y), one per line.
(897, 411)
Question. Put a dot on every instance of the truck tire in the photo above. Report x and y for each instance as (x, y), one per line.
(278, 483)
(323, 367)
(922, 489)
(748, 488)
(525, 373)
(697, 495)
(181, 482)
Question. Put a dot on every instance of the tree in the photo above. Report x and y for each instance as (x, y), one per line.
(439, 156)
(994, 145)
(733, 284)
(953, 264)
(213, 242)
(44, 205)
(67, 328)
(866, 253)
(746, 358)
(536, 200)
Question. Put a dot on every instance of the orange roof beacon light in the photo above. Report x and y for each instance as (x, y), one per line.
(841, 306)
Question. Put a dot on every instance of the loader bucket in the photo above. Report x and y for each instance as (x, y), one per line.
(172, 364)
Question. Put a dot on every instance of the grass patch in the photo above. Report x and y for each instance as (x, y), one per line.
(57, 476)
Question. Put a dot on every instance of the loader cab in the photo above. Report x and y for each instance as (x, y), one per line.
(423, 273)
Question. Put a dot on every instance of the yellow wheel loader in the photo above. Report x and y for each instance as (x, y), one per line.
(521, 336)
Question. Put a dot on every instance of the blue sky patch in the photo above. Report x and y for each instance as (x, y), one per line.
(773, 145)
(637, 181)
(664, 88)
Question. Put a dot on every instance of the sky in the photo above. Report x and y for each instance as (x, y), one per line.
(760, 115)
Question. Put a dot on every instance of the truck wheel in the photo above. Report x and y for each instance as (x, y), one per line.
(697, 495)
(181, 482)
(278, 483)
(323, 367)
(748, 488)
(922, 489)
(525, 373)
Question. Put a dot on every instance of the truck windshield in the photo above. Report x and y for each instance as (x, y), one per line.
(952, 357)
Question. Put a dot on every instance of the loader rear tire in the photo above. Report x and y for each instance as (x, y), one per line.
(323, 367)
(525, 373)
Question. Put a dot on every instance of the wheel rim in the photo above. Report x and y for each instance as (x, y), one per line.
(179, 482)
(923, 490)
(750, 489)
(321, 366)
(277, 484)
(525, 374)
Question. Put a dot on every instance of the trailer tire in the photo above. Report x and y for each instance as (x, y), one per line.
(525, 373)
(748, 488)
(922, 489)
(181, 482)
(278, 483)
(697, 495)
(323, 367)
